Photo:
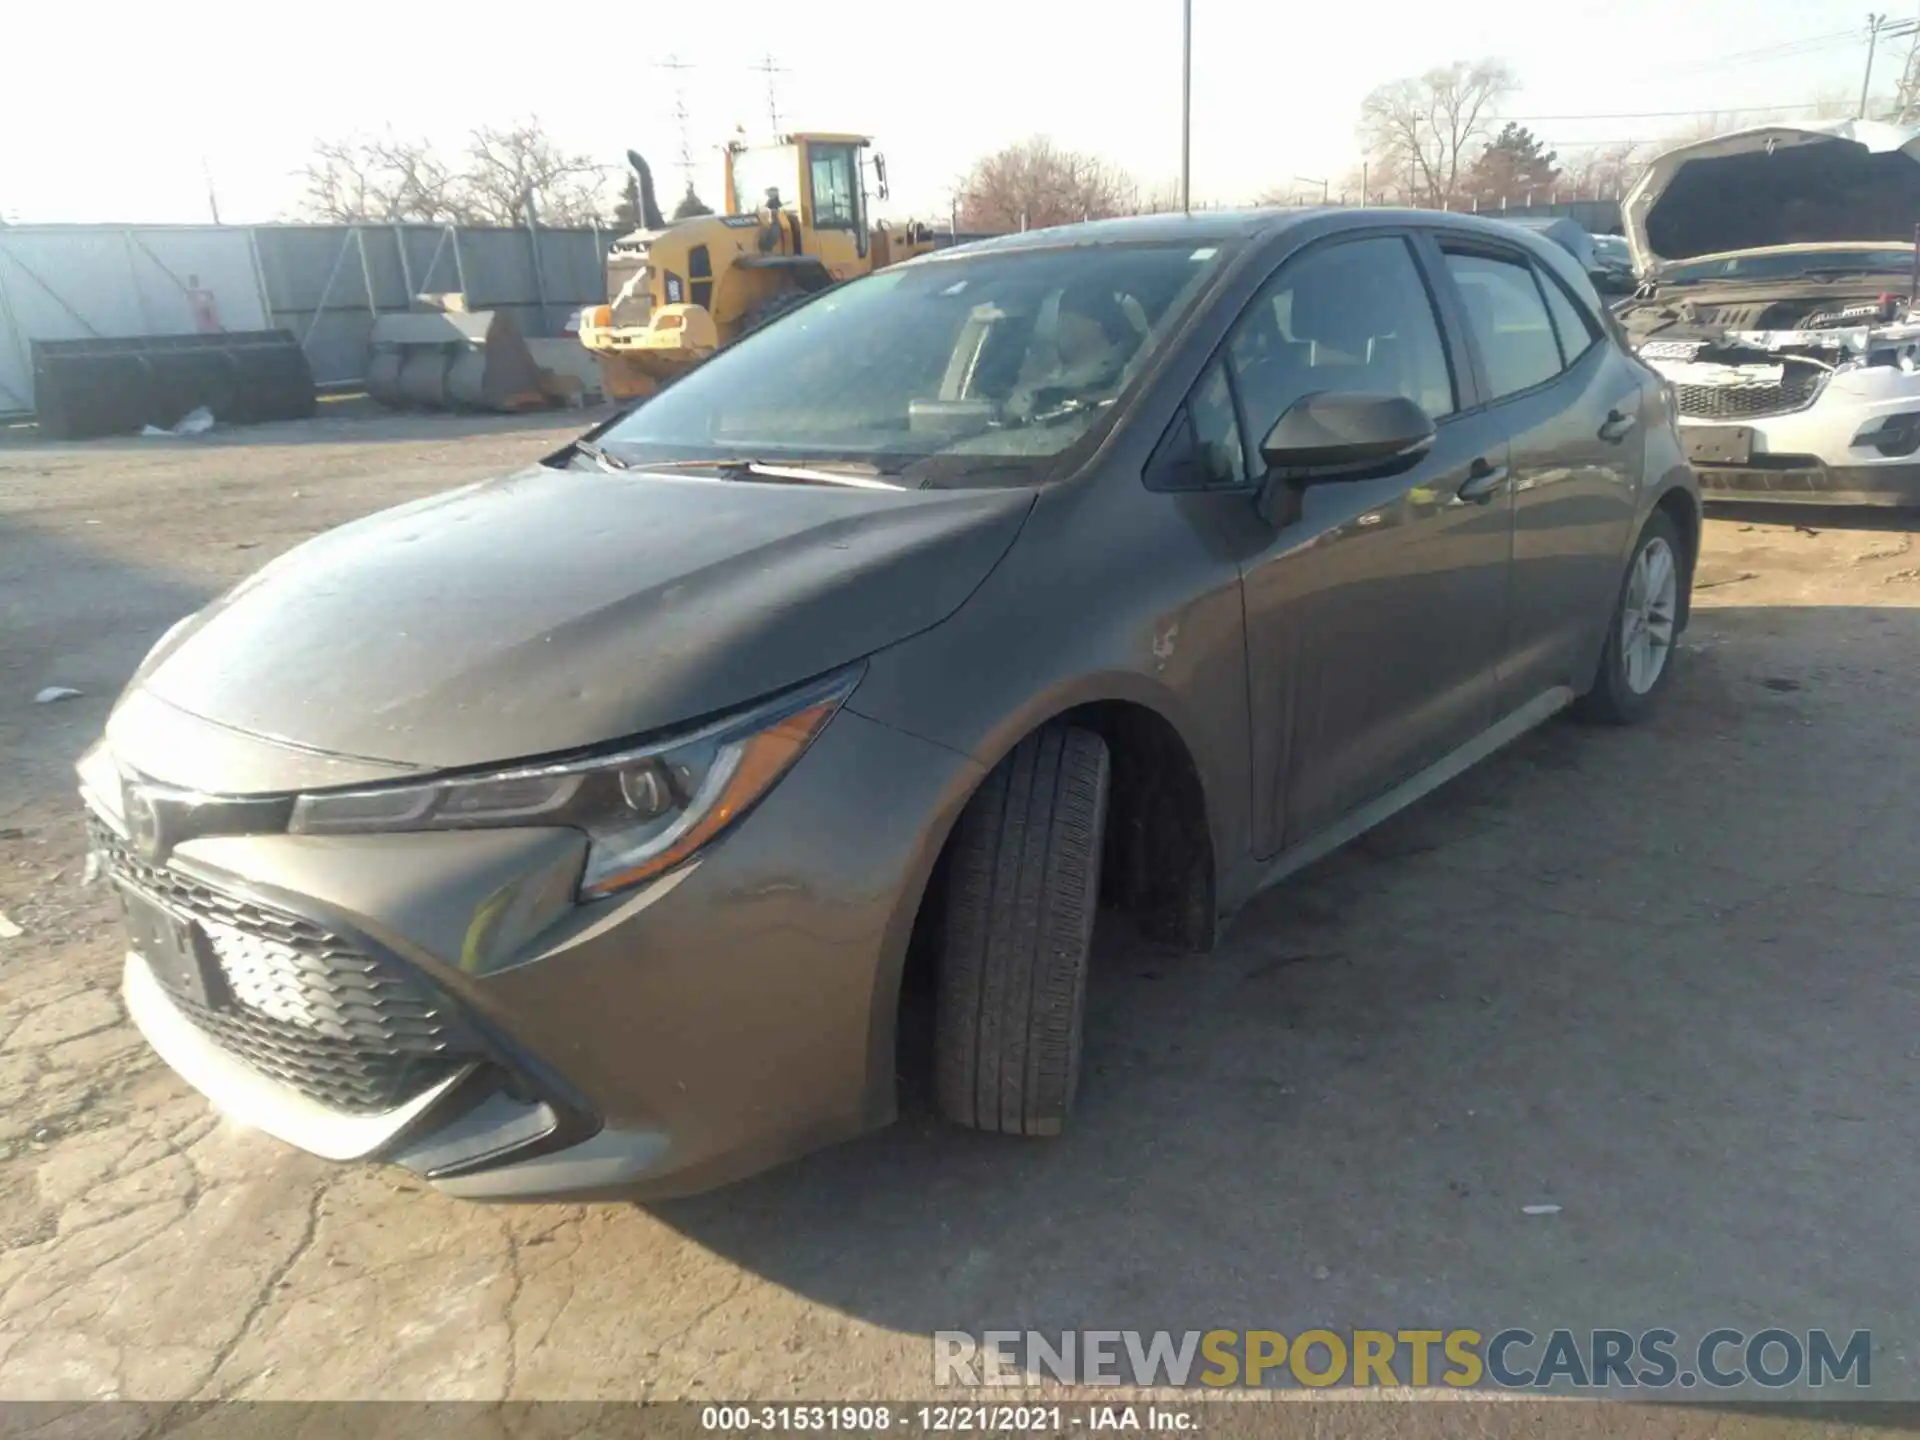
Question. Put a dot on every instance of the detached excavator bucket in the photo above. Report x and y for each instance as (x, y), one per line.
(451, 360)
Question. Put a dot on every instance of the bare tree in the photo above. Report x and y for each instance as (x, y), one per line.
(381, 177)
(1424, 132)
(1038, 183)
(1604, 172)
(387, 178)
(503, 165)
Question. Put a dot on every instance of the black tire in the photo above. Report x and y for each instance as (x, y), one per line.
(1612, 699)
(1023, 886)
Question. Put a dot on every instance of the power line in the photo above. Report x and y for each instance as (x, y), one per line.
(1783, 50)
(1785, 47)
(1672, 114)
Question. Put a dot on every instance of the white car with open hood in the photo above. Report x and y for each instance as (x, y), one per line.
(1778, 299)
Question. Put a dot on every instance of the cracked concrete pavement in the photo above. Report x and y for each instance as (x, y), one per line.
(1665, 978)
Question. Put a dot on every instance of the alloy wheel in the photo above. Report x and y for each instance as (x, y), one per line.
(1647, 615)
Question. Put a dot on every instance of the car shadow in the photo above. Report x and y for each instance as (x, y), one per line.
(1814, 517)
(1580, 975)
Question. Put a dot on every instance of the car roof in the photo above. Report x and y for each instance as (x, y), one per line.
(1203, 226)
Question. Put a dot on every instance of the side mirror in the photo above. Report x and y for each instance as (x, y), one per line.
(1333, 436)
(880, 175)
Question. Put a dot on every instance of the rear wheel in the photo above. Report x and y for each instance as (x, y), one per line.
(1638, 656)
(1024, 882)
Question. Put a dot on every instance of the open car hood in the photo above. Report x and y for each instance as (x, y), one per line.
(1832, 181)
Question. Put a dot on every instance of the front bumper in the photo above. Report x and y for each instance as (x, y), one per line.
(733, 1013)
(1810, 455)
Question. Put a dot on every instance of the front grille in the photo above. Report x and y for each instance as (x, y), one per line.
(1797, 388)
(308, 1007)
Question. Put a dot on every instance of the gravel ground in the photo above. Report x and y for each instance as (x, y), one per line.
(1663, 978)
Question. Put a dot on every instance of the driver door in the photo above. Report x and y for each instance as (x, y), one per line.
(1375, 617)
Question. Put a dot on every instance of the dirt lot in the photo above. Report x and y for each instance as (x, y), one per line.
(1664, 978)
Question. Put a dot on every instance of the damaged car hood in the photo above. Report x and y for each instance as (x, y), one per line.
(559, 609)
(1776, 185)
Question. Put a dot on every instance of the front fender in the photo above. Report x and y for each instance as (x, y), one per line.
(1117, 601)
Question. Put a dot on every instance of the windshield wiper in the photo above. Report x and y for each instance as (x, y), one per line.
(600, 457)
(855, 474)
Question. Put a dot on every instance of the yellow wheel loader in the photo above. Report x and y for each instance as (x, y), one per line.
(795, 223)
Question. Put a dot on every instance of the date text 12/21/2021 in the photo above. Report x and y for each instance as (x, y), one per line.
(870, 1419)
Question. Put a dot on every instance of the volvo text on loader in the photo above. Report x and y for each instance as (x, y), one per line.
(795, 223)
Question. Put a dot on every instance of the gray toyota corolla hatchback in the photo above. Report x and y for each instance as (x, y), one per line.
(564, 835)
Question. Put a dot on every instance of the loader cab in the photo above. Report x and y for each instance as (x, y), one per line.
(818, 177)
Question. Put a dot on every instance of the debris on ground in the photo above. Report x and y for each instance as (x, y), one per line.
(9, 930)
(1539, 1209)
(196, 421)
(53, 693)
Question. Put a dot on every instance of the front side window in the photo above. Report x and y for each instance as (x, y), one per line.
(1349, 317)
(1509, 319)
(1216, 430)
(991, 359)
(836, 191)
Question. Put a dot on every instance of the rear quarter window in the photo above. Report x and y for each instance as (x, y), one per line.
(1577, 329)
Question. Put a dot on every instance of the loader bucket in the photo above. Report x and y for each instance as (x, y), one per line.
(453, 361)
(635, 360)
(114, 385)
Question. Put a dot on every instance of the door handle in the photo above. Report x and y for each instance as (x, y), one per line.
(1483, 479)
(1616, 427)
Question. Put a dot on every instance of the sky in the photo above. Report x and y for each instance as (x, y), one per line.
(119, 112)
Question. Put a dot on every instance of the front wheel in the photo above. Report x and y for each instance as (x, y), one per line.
(1638, 656)
(1024, 882)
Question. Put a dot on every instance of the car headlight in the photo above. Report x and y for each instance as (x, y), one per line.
(645, 810)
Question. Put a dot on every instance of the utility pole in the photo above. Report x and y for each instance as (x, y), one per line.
(1186, 106)
(1906, 100)
(1874, 22)
(770, 68)
(213, 200)
(679, 69)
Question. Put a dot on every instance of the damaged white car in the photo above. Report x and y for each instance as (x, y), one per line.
(1778, 298)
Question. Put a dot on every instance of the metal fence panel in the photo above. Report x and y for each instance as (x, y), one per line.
(63, 282)
(72, 282)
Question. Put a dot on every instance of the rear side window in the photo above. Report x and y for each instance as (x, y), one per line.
(1509, 319)
(1575, 327)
